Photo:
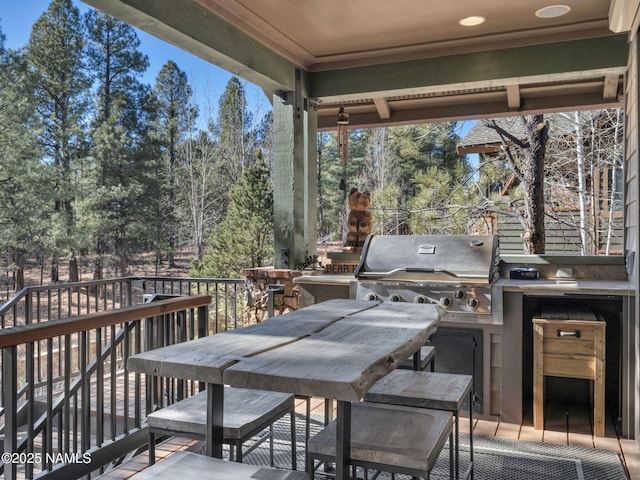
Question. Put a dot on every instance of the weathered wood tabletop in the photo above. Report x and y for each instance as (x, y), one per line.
(344, 359)
(336, 349)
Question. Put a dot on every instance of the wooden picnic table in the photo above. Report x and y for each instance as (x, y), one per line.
(336, 349)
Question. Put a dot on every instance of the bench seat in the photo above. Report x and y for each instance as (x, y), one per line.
(191, 466)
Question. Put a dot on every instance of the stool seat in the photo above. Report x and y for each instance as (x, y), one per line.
(390, 438)
(246, 413)
(191, 466)
(442, 391)
(427, 357)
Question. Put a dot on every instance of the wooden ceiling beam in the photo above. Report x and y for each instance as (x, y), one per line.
(441, 111)
(513, 96)
(610, 90)
(382, 106)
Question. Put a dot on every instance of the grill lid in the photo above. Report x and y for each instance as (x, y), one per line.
(429, 257)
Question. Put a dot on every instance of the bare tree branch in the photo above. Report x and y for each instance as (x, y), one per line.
(505, 145)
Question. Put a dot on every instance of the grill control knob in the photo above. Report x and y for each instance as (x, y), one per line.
(421, 299)
(371, 296)
(395, 298)
(459, 294)
(445, 302)
(473, 303)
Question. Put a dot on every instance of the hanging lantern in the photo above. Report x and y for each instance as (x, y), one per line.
(343, 136)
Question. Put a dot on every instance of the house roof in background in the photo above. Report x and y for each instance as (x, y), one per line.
(483, 139)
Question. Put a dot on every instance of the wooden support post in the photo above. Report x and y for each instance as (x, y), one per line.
(294, 177)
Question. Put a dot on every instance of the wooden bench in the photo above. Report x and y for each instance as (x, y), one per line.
(191, 466)
(389, 438)
(569, 344)
(246, 413)
(439, 391)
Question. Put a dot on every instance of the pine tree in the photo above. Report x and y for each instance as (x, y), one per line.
(57, 66)
(23, 221)
(175, 113)
(234, 130)
(115, 199)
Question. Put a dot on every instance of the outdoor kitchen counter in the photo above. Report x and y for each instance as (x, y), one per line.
(552, 286)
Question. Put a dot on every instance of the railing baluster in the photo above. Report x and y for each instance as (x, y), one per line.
(47, 443)
(138, 378)
(30, 406)
(113, 381)
(85, 429)
(99, 388)
(125, 385)
(66, 424)
(10, 401)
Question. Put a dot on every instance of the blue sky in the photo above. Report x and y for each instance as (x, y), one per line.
(208, 81)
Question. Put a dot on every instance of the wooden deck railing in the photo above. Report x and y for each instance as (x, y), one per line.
(90, 412)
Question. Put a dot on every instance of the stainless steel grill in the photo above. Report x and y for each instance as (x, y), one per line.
(453, 271)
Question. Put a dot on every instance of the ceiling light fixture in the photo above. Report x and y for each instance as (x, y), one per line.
(471, 21)
(553, 11)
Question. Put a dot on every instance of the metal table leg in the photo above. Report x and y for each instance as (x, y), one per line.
(343, 440)
(215, 410)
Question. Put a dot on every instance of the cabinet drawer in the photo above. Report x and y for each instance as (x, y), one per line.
(570, 337)
(570, 366)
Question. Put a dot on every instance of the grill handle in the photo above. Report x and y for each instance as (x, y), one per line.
(418, 270)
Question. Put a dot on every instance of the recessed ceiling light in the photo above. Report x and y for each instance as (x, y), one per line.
(471, 21)
(553, 11)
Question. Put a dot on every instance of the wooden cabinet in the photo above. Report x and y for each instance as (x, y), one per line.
(569, 343)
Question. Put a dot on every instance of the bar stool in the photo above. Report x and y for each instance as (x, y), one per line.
(430, 390)
(246, 414)
(390, 438)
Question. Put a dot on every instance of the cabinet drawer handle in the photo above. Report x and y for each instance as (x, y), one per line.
(564, 333)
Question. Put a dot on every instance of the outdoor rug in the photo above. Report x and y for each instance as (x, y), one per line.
(505, 459)
(494, 458)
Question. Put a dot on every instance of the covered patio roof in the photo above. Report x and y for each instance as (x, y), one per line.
(407, 61)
